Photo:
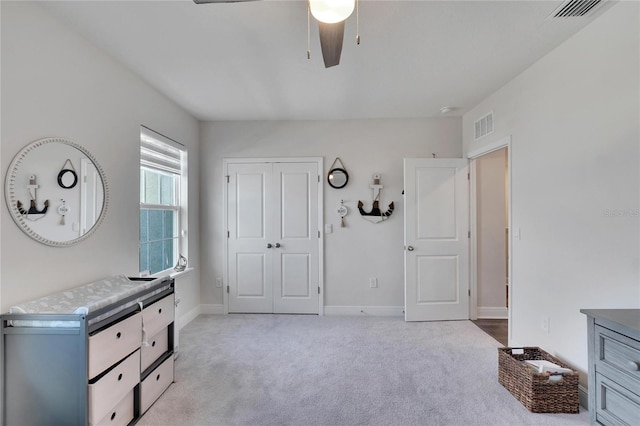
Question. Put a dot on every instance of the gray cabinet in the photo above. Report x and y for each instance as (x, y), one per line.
(105, 366)
(614, 366)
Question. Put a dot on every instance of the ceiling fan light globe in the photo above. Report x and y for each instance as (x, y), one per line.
(331, 11)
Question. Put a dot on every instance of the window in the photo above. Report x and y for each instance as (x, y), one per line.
(163, 205)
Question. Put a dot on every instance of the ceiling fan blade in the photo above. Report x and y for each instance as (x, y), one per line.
(331, 37)
(219, 1)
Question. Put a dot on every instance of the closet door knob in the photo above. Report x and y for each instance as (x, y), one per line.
(410, 248)
(269, 245)
(278, 245)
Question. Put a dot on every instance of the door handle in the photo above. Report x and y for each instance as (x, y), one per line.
(269, 245)
(410, 248)
(278, 245)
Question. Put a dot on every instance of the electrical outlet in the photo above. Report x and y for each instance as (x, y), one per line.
(219, 282)
(373, 282)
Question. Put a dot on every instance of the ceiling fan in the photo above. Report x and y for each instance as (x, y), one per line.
(331, 16)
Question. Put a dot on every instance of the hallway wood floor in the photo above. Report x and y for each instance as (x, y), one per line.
(496, 328)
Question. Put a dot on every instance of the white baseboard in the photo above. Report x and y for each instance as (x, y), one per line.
(212, 309)
(198, 310)
(583, 396)
(485, 312)
(378, 311)
(188, 317)
(375, 311)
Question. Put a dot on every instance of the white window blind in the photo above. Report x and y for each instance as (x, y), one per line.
(159, 152)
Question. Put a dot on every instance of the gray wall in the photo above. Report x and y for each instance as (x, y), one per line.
(55, 84)
(573, 119)
(362, 249)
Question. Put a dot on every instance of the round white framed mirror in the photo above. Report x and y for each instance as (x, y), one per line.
(56, 207)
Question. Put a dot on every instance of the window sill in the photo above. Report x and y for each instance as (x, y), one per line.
(170, 273)
(176, 274)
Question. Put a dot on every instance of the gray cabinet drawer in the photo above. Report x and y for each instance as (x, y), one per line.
(619, 355)
(615, 405)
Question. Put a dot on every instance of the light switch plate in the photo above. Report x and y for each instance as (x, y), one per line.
(516, 233)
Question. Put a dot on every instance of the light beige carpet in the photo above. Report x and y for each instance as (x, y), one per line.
(333, 371)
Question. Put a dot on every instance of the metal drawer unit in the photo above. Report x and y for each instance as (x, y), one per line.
(85, 372)
(157, 363)
(614, 366)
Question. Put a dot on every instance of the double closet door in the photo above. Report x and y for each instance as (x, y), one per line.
(273, 237)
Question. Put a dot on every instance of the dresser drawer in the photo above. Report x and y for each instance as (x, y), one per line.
(114, 343)
(158, 315)
(620, 353)
(107, 392)
(158, 345)
(121, 414)
(615, 405)
(156, 383)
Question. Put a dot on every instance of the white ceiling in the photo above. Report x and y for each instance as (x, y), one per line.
(247, 61)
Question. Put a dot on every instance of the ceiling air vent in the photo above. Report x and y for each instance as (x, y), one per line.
(484, 126)
(576, 8)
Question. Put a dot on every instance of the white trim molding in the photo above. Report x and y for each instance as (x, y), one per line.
(212, 309)
(489, 147)
(374, 311)
(472, 155)
(486, 312)
(583, 396)
(188, 317)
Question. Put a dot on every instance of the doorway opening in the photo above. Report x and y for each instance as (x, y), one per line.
(491, 284)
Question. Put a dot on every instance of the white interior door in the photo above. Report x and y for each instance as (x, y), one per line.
(436, 239)
(295, 263)
(250, 269)
(273, 244)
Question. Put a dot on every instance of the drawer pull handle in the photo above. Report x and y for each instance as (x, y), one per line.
(118, 335)
(153, 344)
(633, 365)
(157, 377)
(160, 310)
(119, 376)
(113, 416)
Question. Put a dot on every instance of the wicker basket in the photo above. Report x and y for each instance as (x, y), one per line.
(534, 390)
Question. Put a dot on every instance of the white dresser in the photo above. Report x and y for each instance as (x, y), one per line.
(97, 354)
